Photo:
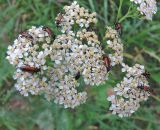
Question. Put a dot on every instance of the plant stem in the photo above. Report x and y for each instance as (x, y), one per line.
(119, 9)
(126, 15)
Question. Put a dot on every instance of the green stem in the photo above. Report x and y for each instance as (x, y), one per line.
(143, 119)
(156, 98)
(126, 15)
(119, 9)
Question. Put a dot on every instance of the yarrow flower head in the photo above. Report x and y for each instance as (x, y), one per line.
(65, 92)
(132, 90)
(146, 7)
(75, 15)
(58, 66)
(25, 54)
(24, 50)
(77, 55)
(114, 42)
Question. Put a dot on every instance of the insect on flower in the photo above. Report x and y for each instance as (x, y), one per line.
(77, 76)
(107, 62)
(48, 30)
(30, 69)
(145, 88)
(118, 27)
(59, 19)
(146, 74)
(26, 35)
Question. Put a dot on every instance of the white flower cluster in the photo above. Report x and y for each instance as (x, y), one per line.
(25, 48)
(56, 69)
(75, 15)
(76, 55)
(115, 43)
(130, 92)
(30, 49)
(65, 92)
(146, 7)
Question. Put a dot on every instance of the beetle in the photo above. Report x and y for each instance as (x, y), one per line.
(144, 87)
(118, 27)
(26, 35)
(77, 76)
(107, 62)
(29, 69)
(59, 19)
(146, 74)
(48, 30)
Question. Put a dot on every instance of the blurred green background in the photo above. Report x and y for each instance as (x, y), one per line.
(141, 40)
